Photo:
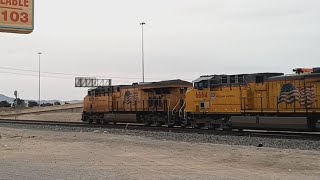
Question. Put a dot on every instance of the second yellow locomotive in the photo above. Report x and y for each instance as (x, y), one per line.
(258, 100)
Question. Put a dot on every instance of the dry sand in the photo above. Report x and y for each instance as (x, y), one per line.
(35, 154)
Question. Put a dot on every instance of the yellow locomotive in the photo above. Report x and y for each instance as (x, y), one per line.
(156, 103)
(242, 101)
(260, 100)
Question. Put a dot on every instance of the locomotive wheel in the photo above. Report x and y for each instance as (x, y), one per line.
(170, 125)
(197, 126)
(90, 121)
(105, 122)
(159, 123)
(147, 120)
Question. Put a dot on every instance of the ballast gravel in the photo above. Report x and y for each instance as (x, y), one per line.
(279, 142)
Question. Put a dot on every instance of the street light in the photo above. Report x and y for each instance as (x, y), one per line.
(39, 53)
(142, 23)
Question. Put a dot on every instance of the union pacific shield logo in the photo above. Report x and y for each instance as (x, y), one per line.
(304, 95)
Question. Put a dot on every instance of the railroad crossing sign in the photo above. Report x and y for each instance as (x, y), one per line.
(17, 16)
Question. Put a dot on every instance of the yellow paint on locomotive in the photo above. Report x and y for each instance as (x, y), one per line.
(252, 98)
(95, 104)
(224, 100)
(135, 99)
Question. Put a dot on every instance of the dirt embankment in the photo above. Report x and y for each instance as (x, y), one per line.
(34, 154)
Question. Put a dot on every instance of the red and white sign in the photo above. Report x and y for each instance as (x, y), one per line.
(16, 16)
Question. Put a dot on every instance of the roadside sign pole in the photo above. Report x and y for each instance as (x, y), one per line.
(16, 104)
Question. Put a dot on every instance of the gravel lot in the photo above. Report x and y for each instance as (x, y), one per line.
(281, 143)
(46, 153)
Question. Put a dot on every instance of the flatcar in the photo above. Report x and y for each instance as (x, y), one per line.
(255, 101)
(155, 103)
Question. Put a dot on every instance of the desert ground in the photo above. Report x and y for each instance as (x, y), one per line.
(45, 154)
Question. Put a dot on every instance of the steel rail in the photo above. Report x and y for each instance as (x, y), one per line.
(133, 126)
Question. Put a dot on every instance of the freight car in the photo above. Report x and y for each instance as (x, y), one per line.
(255, 101)
(155, 103)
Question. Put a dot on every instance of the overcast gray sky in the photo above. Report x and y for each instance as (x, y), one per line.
(183, 39)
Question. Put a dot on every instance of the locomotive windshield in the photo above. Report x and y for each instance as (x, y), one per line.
(218, 81)
(201, 85)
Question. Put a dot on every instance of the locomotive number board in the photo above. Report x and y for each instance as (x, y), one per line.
(16, 16)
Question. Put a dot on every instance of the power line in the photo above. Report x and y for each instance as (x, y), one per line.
(54, 77)
(31, 75)
(66, 74)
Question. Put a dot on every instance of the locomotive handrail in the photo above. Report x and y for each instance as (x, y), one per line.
(168, 111)
(245, 80)
(175, 107)
(180, 111)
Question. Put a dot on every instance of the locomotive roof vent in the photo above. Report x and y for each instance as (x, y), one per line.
(306, 70)
(302, 70)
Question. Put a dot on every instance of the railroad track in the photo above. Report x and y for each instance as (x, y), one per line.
(253, 133)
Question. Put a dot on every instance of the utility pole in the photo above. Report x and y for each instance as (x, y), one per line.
(39, 53)
(142, 23)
